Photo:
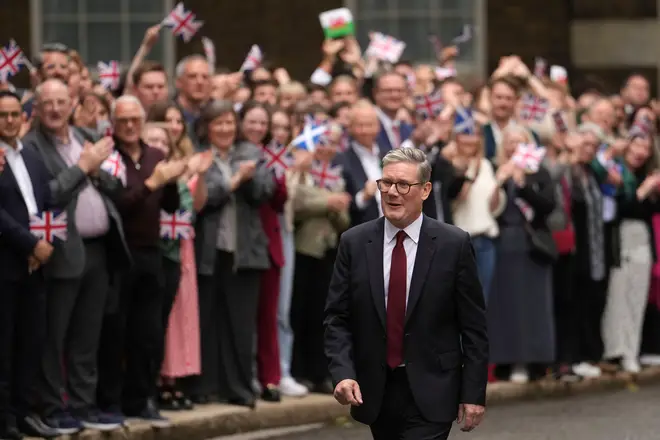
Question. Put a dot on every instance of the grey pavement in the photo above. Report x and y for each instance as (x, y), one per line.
(630, 414)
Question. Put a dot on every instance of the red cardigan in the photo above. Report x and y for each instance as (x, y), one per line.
(271, 222)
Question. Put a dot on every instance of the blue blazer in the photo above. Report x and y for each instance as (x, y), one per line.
(16, 240)
(383, 140)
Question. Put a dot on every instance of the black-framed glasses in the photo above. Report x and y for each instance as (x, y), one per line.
(402, 188)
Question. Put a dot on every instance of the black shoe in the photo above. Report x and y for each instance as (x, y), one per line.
(200, 399)
(33, 426)
(271, 394)
(11, 433)
(324, 387)
(167, 401)
(184, 402)
(249, 403)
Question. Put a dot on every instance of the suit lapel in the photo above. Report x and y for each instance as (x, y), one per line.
(34, 175)
(356, 167)
(375, 265)
(425, 250)
(51, 156)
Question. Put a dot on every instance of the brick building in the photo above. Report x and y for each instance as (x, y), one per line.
(597, 40)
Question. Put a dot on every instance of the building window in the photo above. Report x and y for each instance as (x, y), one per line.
(414, 20)
(101, 30)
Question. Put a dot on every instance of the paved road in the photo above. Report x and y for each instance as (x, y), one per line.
(622, 415)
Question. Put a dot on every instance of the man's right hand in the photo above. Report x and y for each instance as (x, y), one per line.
(347, 392)
(370, 189)
(93, 155)
(339, 202)
(42, 251)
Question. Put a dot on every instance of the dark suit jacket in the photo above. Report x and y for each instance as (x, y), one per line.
(271, 223)
(355, 179)
(383, 141)
(447, 184)
(16, 240)
(445, 307)
(68, 259)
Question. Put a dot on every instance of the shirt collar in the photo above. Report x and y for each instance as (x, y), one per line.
(412, 230)
(362, 150)
(5, 146)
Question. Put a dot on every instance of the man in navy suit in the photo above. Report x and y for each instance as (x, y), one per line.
(24, 191)
(390, 91)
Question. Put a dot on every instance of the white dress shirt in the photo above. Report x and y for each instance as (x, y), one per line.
(17, 165)
(370, 161)
(409, 245)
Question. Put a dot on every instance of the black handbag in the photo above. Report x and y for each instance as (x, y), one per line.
(544, 248)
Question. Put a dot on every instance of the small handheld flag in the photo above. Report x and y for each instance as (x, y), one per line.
(429, 106)
(385, 48)
(109, 74)
(533, 108)
(326, 175)
(310, 137)
(209, 52)
(49, 225)
(176, 226)
(464, 121)
(114, 165)
(253, 59)
(182, 22)
(465, 36)
(277, 157)
(529, 157)
(558, 74)
(337, 23)
(11, 60)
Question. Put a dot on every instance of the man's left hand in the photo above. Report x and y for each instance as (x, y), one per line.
(472, 414)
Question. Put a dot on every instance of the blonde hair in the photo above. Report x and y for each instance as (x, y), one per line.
(293, 87)
(174, 151)
(509, 131)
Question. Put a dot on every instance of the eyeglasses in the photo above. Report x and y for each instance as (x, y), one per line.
(402, 188)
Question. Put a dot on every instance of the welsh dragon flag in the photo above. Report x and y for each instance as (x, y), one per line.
(337, 23)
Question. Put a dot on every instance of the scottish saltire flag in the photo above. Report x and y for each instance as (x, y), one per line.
(176, 226)
(11, 60)
(464, 121)
(182, 22)
(385, 48)
(533, 108)
(109, 74)
(429, 106)
(277, 158)
(326, 175)
(253, 58)
(312, 135)
(49, 225)
(606, 188)
(529, 156)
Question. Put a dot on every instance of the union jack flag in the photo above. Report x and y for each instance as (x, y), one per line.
(429, 106)
(114, 165)
(209, 51)
(529, 156)
(11, 60)
(182, 22)
(253, 58)
(109, 74)
(385, 48)
(533, 108)
(326, 175)
(49, 225)
(176, 226)
(277, 157)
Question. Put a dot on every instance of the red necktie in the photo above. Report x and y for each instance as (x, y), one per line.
(396, 131)
(396, 303)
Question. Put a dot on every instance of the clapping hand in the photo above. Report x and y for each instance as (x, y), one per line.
(200, 162)
(93, 155)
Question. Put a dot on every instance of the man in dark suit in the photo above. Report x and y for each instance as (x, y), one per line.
(390, 91)
(23, 192)
(407, 345)
(81, 269)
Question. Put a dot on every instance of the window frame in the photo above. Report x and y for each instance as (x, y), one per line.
(37, 21)
(477, 67)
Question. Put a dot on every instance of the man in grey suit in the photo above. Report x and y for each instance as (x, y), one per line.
(79, 272)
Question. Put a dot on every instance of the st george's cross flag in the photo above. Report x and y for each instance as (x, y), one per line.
(429, 106)
(182, 22)
(49, 225)
(385, 48)
(277, 158)
(326, 175)
(529, 157)
(311, 135)
(11, 60)
(177, 226)
(109, 74)
(337, 23)
(253, 59)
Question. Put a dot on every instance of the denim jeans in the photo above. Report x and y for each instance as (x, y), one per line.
(485, 251)
(285, 333)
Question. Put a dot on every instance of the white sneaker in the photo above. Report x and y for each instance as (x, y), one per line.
(289, 387)
(650, 359)
(630, 366)
(587, 370)
(519, 375)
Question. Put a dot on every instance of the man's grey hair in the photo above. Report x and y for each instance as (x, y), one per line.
(410, 155)
(127, 99)
(596, 130)
(181, 65)
(38, 91)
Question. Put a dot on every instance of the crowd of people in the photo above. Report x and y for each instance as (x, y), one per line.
(200, 239)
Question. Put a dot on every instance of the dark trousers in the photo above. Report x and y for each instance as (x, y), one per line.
(399, 417)
(268, 349)
(75, 309)
(565, 303)
(22, 332)
(591, 297)
(310, 289)
(228, 302)
(132, 337)
(171, 281)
